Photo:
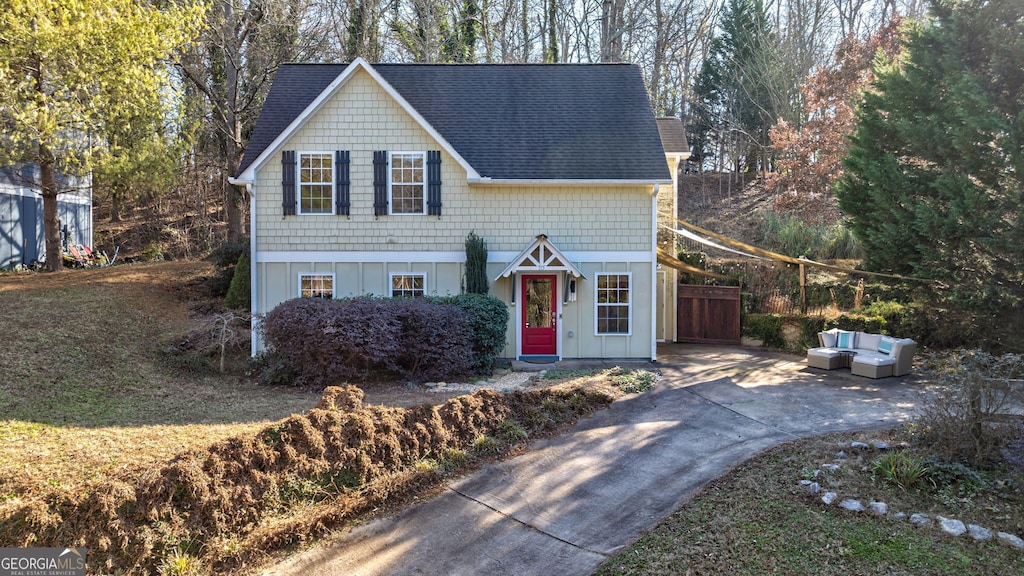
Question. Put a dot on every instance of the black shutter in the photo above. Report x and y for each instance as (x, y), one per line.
(341, 164)
(434, 182)
(288, 182)
(380, 183)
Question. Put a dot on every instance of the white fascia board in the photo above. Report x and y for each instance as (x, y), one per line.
(502, 257)
(483, 181)
(66, 197)
(332, 88)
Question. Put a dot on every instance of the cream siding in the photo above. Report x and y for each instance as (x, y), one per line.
(585, 221)
(362, 118)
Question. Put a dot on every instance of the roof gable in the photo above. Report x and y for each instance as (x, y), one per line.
(586, 122)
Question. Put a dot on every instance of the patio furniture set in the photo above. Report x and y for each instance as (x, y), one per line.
(865, 354)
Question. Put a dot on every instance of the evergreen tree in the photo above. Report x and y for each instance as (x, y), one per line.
(73, 69)
(933, 183)
(744, 86)
(476, 264)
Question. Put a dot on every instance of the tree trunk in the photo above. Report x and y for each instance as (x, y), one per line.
(233, 138)
(51, 217)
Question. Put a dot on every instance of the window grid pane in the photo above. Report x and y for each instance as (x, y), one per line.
(407, 183)
(316, 188)
(317, 286)
(613, 306)
(407, 285)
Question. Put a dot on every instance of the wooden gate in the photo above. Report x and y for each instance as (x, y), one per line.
(708, 314)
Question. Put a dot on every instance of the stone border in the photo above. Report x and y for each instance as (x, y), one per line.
(950, 526)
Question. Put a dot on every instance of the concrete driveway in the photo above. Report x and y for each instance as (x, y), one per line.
(572, 501)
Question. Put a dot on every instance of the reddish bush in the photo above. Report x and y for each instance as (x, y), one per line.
(330, 341)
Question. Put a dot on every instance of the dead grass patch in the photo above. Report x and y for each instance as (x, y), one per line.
(758, 519)
(285, 483)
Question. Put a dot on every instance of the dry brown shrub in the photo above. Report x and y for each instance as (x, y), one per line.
(280, 486)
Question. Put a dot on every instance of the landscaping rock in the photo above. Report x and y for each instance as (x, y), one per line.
(1011, 539)
(879, 445)
(805, 482)
(899, 516)
(830, 467)
(829, 497)
(814, 488)
(880, 508)
(859, 446)
(978, 532)
(852, 505)
(951, 526)
(920, 519)
(841, 455)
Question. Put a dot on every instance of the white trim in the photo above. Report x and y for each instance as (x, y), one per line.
(391, 283)
(550, 259)
(249, 173)
(317, 275)
(298, 182)
(423, 184)
(66, 197)
(654, 271)
(533, 182)
(629, 305)
(296, 256)
(253, 285)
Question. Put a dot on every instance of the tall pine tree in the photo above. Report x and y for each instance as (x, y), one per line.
(933, 183)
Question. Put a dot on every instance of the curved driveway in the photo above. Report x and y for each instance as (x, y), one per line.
(572, 501)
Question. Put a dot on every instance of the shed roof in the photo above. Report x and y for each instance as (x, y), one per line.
(507, 121)
(673, 135)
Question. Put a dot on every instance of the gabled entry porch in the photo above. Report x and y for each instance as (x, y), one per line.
(543, 282)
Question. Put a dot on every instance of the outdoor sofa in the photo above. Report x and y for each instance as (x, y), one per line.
(870, 355)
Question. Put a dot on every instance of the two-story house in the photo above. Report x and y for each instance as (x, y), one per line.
(366, 179)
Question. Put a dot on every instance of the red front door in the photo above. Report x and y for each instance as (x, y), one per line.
(540, 315)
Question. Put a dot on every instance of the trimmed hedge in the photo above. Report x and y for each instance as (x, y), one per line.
(488, 322)
(357, 339)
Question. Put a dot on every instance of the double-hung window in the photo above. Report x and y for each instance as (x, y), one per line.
(614, 305)
(316, 286)
(408, 183)
(316, 183)
(408, 285)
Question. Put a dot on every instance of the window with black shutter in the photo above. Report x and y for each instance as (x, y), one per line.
(434, 182)
(288, 182)
(380, 183)
(344, 183)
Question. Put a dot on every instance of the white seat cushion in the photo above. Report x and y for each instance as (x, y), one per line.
(823, 352)
(873, 359)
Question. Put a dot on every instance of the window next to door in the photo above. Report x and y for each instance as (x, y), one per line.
(614, 306)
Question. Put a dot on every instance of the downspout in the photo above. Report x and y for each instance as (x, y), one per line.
(654, 272)
(252, 269)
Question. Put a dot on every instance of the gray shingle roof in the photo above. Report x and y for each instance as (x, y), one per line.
(673, 135)
(509, 121)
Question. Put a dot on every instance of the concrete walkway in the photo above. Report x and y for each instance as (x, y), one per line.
(572, 501)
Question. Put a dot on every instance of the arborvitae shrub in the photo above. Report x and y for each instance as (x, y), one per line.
(238, 292)
(476, 264)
